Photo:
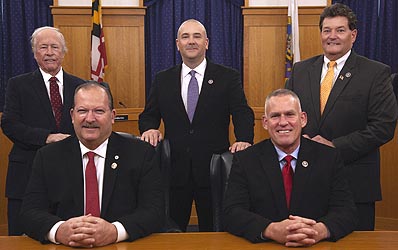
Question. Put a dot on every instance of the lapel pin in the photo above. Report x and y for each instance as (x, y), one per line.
(114, 165)
(341, 77)
(348, 74)
(210, 81)
(304, 164)
(116, 157)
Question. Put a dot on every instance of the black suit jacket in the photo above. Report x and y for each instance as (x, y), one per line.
(255, 195)
(359, 117)
(221, 96)
(27, 121)
(132, 192)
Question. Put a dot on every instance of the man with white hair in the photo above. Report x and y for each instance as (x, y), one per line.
(36, 113)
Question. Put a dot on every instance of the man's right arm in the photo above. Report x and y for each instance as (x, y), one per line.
(13, 124)
(149, 119)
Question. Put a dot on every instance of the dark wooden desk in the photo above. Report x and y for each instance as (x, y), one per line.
(378, 240)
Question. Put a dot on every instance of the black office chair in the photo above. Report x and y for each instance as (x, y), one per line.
(220, 167)
(163, 152)
(394, 81)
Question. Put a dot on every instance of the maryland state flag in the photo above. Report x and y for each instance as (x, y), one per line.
(98, 51)
(292, 38)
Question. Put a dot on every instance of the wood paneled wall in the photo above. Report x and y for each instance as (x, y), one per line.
(124, 41)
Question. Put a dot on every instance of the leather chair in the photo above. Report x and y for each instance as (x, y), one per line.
(220, 167)
(163, 154)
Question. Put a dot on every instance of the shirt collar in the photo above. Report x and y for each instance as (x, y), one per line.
(47, 76)
(200, 69)
(281, 154)
(100, 150)
(339, 62)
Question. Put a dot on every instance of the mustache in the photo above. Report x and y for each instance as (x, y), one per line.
(90, 125)
(191, 47)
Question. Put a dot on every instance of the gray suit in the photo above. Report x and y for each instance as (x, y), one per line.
(359, 117)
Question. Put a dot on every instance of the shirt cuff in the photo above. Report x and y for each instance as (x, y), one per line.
(121, 231)
(53, 231)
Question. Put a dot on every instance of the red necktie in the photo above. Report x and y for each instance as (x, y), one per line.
(92, 197)
(287, 173)
(56, 101)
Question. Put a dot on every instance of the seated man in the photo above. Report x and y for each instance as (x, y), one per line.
(288, 189)
(97, 188)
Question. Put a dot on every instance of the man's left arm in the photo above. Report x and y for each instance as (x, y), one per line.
(242, 114)
(148, 216)
(382, 113)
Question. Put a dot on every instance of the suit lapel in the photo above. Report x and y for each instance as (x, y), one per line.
(271, 166)
(39, 87)
(68, 97)
(110, 173)
(346, 73)
(175, 90)
(314, 85)
(301, 174)
(206, 91)
(76, 174)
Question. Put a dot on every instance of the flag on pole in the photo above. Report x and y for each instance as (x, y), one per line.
(292, 38)
(98, 51)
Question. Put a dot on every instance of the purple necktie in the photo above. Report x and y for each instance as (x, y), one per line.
(193, 95)
(56, 101)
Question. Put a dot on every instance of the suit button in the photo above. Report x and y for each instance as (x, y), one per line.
(191, 131)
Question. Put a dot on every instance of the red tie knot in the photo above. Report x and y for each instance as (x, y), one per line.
(288, 158)
(90, 155)
(53, 79)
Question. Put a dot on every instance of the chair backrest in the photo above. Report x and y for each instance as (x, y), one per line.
(220, 167)
(394, 78)
(164, 156)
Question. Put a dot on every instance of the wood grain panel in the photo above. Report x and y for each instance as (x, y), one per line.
(124, 40)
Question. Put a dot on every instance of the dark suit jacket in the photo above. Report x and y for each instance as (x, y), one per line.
(132, 192)
(255, 195)
(27, 121)
(221, 96)
(359, 117)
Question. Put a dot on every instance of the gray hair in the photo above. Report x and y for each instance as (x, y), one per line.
(282, 92)
(38, 30)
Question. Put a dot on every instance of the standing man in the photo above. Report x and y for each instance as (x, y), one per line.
(97, 188)
(350, 105)
(195, 101)
(36, 113)
(288, 189)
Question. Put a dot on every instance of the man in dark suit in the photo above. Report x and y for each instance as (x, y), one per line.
(196, 133)
(288, 189)
(59, 205)
(28, 119)
(360, 112)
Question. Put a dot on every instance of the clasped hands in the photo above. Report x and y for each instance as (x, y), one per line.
(86, 231)
(296, 231)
